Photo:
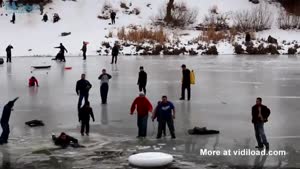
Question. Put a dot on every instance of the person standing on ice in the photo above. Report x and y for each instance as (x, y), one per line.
(165, 113)
(8, 53)
(84, 117)
(5, 121)
(13, 19)
(33, 81)
(115, 53)
(45, 18)
(142, 80)
(260, 115)
(84, 49)
(61, 52)
(113, 17)
(143, 107)
(186, 82)
(82, 89)
(156, 115)
(104, 78)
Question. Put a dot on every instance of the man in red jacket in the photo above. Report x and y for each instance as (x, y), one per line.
(143, 107)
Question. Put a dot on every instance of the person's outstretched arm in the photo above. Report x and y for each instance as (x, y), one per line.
(37, 83)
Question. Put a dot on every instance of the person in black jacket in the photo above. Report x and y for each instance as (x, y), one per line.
(45, 18)
(113, 17)
(186, 82)
(13, 19)
(5, 121)
(142, 80)
(65, 140)
(260, 114)
(82, 89)
(61, 54)
(115, 53)
(84, 49)
(8, 53)
(84, 117)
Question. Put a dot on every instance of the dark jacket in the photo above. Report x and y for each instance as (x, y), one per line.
(85, 113)
(142, 80)
(83, 86)
(186, 77)
(62, 49)
(115, 51)
(59, 141)
(113, 15)
(265, 112)
(8, 49)
(7, 111)
(84, 48)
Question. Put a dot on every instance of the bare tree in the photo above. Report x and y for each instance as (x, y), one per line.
(168, 18)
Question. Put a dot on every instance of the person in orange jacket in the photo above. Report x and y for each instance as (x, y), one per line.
(33, 81)
(143, 107)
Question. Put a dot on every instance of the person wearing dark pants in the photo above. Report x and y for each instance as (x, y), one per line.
(186, 82)
(13, 19)
(260, 114)
(142, 122)
(165, 113)
(104, 78)
(84, 117)
(61, 53)
(143, 107)
(142, 80)
(113, 17)
(82, 89)
(156, 115)
(84, 49)
(8, 53)
(5, 121)
(115, 53)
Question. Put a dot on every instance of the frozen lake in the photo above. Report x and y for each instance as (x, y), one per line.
(226, 89)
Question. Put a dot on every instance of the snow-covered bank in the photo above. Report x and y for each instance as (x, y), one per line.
(30, 36)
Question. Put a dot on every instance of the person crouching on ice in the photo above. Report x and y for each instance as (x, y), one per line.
(32, 82)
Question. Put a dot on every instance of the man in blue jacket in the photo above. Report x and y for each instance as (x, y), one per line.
(165, 112)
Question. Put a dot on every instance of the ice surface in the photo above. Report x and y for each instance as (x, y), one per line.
(234, 80)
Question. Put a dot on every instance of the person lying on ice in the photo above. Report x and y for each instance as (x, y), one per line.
(65, 140)
(32, 82)
(5, 119)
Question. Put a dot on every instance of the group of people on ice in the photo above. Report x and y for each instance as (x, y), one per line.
(60, 56)
(164, 112)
